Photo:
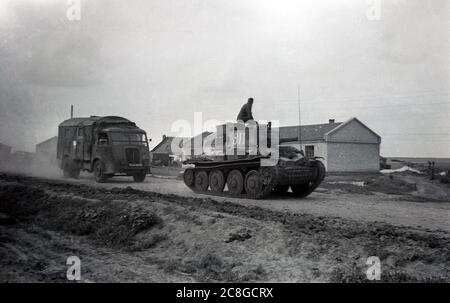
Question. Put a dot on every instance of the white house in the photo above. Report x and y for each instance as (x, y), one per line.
(347, 146)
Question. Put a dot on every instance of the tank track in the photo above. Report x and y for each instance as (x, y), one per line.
(248, 179)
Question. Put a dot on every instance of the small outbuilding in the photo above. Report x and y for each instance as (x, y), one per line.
(163, 153)
(5, 151)
(46, 151)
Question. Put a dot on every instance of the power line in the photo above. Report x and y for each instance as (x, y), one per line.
(299, 118)
(327, 101)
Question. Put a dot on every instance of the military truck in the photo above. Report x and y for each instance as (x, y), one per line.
(105, 146)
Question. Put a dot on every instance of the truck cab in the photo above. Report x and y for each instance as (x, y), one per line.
(105, 146)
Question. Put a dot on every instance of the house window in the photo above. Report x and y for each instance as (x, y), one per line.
(309, 149)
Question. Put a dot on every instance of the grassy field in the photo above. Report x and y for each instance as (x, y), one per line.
(442, 163)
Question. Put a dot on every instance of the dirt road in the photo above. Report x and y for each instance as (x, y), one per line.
(393, 209)
(125, 234)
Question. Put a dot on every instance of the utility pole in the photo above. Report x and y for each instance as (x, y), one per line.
(299, 118)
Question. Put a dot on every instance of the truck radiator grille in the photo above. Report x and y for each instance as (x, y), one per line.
(132, 155)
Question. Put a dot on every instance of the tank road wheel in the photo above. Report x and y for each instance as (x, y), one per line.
(253, 184)
(280, 189)
(201, 181)
(188, 177)
(216, 181)
(303, 190)
(99, 172)
(139, 177)
(235, 182)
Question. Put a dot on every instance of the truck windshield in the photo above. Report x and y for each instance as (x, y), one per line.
(128, 138)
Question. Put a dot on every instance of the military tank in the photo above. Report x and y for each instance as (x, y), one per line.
(245, 174)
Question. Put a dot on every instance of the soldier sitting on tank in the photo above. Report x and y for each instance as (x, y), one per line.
(245, 114)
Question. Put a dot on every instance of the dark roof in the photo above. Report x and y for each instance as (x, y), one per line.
(165, 146)
(4, 145)
(86, 121)
(308, 132)
(202, 136)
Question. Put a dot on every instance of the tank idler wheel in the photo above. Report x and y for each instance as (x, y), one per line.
(188, 177)
(235, 182)
(216, 181)
(201, 181)
(253, 184)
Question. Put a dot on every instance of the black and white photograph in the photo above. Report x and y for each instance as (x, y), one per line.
(234, 144)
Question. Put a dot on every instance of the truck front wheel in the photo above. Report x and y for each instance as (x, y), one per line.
(99, 172)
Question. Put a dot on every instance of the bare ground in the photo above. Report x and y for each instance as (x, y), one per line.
(125, 234)
(395, 202)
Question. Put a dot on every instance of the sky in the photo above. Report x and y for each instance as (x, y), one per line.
(158, 62)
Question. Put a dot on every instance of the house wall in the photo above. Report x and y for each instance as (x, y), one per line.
(353, 157)
(160, 157)
(5, 151)
(46, 153)
(48, 147)
(353, 132)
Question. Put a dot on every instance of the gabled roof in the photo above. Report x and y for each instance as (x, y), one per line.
(4, 145)
(347, 122)
(51, 140)
(165, 146)
(312, 132)
(200, 138)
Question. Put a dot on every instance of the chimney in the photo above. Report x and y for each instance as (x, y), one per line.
(164, 137)
(331, 121)
(71, 111)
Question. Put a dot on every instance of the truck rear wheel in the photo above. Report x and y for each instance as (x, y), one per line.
(75, 173)
(139, 177)
(66, 168)
(70, 169)
(99, 172)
